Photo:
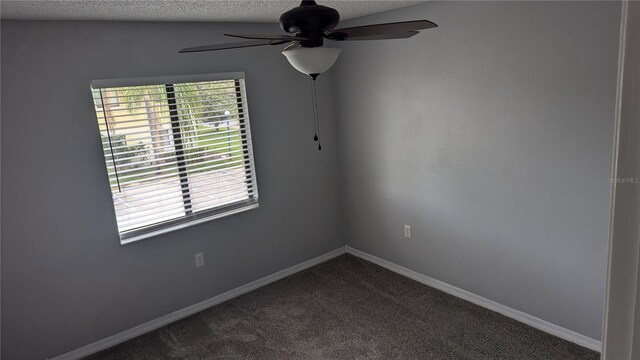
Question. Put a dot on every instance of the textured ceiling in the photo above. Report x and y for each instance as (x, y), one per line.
(181, 10)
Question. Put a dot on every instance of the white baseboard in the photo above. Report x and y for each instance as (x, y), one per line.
(517, 315)
(463, 294)
(190, 310)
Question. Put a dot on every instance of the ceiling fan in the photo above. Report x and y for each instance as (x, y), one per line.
(307, 26)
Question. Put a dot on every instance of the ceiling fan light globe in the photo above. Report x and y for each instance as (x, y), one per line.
(312, 60)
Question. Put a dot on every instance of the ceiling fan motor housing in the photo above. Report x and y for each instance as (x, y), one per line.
(309, 20)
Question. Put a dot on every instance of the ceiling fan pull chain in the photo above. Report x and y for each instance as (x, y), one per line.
(313, 107)
(316, 123)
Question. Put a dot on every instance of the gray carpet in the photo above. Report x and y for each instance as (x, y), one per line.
(347, 308)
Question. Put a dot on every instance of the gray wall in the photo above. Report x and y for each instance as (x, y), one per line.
(492, 136)
(623, 297)
(66, 281)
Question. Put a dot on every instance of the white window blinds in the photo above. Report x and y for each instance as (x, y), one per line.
(177, 149)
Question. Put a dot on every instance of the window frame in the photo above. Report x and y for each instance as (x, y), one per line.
(190, 218)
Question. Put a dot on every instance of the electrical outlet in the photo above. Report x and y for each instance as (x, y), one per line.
(407, 231)
(199, 259)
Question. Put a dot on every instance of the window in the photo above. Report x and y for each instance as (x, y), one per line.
(109, 99)
(177, 149)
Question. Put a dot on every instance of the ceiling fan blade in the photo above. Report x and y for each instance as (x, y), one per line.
(379, 29)
(403, 35)
(236, 45)
(267, 37)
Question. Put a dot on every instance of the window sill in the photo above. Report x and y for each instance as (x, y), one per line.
(153, 233)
